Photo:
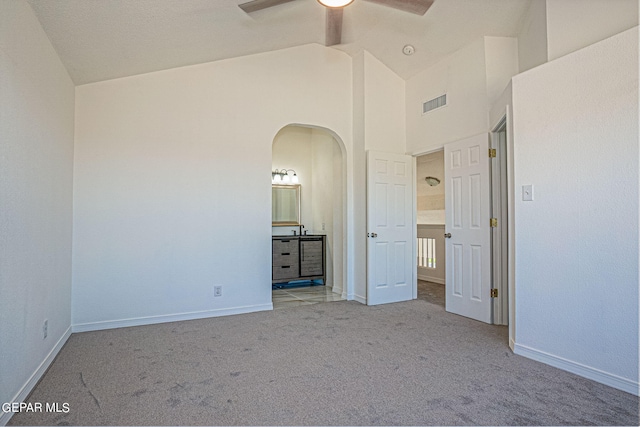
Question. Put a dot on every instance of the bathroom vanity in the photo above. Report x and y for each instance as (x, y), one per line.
(297, 258)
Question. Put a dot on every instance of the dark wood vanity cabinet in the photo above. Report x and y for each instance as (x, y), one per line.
(298, 258)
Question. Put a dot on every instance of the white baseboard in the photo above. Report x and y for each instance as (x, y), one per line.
(360, 299)
(512, 345)
(336, 289)
(24, 391)
(431, 279)
(150, 320)
(594, 374)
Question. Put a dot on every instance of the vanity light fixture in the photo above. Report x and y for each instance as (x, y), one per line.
(335, 3)
(282, 176)
(432, 181)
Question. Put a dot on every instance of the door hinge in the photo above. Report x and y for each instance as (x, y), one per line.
(492, 152)
(493, 222)
(494, 293)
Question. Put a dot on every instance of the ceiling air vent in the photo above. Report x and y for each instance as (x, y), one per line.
(431, 105)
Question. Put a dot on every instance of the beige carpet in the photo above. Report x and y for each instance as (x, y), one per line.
(338, 363)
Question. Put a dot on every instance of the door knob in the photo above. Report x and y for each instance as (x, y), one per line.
(447, 235)
(372, 234)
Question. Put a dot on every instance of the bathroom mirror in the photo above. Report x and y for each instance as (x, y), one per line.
(285, 204)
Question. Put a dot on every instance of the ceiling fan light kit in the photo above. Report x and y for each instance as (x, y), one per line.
(333, 32)
(335, 3)
(432, 181)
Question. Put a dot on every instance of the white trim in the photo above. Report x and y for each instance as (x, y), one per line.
(338, 290)
(437, 280)
(151, 320)
(512, 345)
(585, 371)
(360, 299)
(24, 391)
(414, 229)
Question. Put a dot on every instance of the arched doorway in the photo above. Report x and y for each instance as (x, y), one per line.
(316, 156)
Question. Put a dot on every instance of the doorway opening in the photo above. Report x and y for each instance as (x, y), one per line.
(313, 249)
(430, 220)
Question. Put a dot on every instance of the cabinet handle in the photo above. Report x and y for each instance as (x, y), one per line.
(285, 253)
(285, 266)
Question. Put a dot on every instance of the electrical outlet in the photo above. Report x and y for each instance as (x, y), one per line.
(323, 226)
(217, 291)
(45, 329)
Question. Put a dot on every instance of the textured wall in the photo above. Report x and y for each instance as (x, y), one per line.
(172, 181)
(576, 141)
(574, 24)
(36, 166)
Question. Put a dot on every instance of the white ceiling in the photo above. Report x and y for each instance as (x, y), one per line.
(100, 40)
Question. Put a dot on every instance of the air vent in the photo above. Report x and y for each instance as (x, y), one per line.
(435, 103)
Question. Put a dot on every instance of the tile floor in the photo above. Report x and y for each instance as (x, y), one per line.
(307, 295)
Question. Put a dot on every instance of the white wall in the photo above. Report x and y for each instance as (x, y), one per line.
(357, 273)
(337, 251)
(473, 79)
(172, 190)
(292, 150)
(378, 124)
(462, 76)
(36, 155)
(574, 24)
(501, 62)
(532, 37)
(384, 106)
(322, 148)
(576, 141)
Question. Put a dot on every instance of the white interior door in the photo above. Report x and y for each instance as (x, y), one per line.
(467, 228)
(391, 264)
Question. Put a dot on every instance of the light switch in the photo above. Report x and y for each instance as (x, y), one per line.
(527, 193)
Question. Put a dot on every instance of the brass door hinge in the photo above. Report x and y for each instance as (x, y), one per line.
(494, 293)
(492, 152)
(493, 222)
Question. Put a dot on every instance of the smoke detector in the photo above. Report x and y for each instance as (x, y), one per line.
(408, 50)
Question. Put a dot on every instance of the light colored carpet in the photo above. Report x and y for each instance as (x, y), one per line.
(338, 363)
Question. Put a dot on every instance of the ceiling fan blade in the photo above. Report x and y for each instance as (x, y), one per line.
(255, 5)
(419, 7)
(334, 26)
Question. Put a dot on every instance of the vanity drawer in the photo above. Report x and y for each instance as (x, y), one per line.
(285, 258)
(285, 246)
(285, 272)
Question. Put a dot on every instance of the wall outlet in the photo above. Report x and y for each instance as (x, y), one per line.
(323, 226)
(45, 329)
(217, 291)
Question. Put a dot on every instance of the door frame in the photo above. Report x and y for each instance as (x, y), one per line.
(500, 113)
(499, 235)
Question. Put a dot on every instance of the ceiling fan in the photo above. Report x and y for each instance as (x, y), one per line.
(335, 8)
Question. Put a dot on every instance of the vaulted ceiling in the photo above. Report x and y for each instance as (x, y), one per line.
(100, 40)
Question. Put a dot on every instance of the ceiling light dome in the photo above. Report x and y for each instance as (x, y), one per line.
(335, 3)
